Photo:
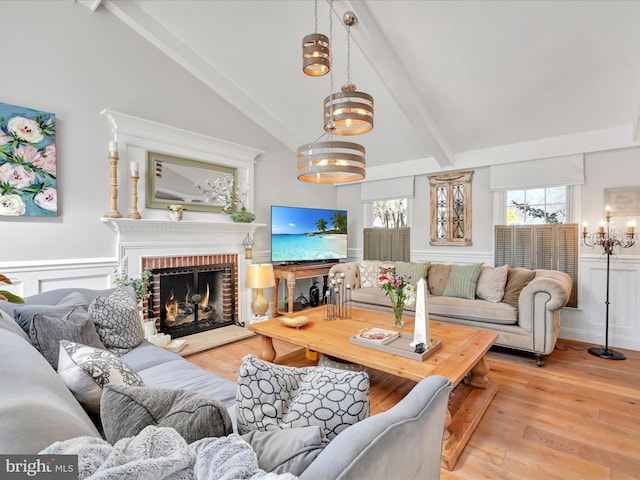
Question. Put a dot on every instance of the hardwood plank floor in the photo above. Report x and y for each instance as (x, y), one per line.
(578, 417)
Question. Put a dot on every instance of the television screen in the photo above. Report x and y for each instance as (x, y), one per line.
(308, 234)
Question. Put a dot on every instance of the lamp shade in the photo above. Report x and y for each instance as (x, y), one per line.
(260, 275)
(331, 162)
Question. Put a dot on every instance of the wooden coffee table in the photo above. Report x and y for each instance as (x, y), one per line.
(461, 359)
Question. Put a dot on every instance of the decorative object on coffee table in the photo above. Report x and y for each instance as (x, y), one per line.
(337, 297)
(421, 333)
(259, 276)
(608, 239)
(400, 292)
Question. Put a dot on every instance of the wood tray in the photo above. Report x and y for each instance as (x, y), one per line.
(400, 346)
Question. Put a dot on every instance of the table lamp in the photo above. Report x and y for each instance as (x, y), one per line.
(259, 276)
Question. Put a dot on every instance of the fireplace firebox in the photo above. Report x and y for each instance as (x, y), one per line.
(193, 299)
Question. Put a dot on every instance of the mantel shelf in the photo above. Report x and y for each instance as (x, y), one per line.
(127, 225)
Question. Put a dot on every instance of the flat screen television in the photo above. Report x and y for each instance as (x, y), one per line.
(308, 235)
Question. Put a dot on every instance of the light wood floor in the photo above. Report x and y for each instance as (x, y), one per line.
(578, 417)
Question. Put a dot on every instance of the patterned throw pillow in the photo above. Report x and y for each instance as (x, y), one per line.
(413, 270)
(86, 370)
(491, 283)
(117, 321)
(369, 272)
(272, 397)
(463, 281)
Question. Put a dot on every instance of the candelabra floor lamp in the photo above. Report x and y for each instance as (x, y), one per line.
(608, 240)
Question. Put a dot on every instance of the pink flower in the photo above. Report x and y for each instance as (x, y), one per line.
(12, 205)
(47, 199)
(25, 129)
(27, 154)
(47, 161)
(15, 175)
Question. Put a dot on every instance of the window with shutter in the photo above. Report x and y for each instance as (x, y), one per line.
(548, 247)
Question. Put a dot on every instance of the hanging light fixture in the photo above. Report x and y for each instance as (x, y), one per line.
(349, 112)
(331, 161)
(316, 56)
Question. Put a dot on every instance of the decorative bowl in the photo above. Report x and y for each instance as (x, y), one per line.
(296, 322)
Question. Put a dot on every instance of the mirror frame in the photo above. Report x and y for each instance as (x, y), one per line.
(216, 171)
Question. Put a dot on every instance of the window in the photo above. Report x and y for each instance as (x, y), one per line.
(451, 208)
(536, 206)
(389, 213)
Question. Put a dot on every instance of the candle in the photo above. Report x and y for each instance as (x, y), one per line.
(421, 329)
(584, 227)
(607, 208)
(601, 226)
(631, 225)
(113, 147)
(134, 169)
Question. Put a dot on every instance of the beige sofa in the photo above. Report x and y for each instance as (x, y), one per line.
(527, 317)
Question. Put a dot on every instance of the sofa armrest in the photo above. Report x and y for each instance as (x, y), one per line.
(552, 282)
(351, 273)
(412, 430)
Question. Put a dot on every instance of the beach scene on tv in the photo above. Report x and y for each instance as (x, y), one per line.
(308, 234)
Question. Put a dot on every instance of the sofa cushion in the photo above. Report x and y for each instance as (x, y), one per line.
(46, 332)
(369, 272)
(117, 321)
(491, 283)
(463, 281)
(36, 407)
(438, 277)
(86, 370)
(476, 310)
(286, 451)
(126, 410)
(25, 313)
(517, 279)
(272, 397)
(412, 270)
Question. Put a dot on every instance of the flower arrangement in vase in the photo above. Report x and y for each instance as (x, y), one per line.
(175, 212)
(401, 294)
(223, 192)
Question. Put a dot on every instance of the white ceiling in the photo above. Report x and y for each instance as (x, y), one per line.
(454, 82)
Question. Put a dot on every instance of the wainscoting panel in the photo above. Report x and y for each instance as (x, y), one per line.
(587, 322)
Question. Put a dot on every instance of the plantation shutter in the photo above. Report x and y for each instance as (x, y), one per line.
(547, 247)
(392, 244)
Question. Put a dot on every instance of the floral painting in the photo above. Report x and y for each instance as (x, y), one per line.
(28, 182)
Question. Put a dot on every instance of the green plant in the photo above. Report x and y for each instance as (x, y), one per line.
(8, 296)
(140, 285)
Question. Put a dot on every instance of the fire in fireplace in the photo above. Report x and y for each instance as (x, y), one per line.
(193, 299)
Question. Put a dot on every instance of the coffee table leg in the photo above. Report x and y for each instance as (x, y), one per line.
(267, 352)
(479, 377)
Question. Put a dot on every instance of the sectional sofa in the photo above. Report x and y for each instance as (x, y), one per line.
(523, 306)
(38, 409)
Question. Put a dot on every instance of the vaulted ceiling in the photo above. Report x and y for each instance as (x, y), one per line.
(455, 83)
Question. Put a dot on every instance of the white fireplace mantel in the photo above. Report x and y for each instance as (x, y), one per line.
(132, 230)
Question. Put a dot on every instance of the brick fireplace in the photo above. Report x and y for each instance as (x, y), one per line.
(191, 294)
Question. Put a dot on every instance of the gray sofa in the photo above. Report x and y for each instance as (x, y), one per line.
(530, 323)
(37, 409)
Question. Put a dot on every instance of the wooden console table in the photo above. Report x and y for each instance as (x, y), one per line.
(292, 272)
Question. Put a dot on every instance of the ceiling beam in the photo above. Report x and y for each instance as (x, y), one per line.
(375, 47)
(132, 15)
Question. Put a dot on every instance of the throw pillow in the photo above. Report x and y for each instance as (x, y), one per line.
(437, 278)
(517, 279)
(412, 270)
(492, 282)
(86, 370)
(272, 397)
(74, 299)
(126, 410)
(463, 281)
(286, 451)
(369, 272)
(46, 332)
(117, 321)
(24, 314)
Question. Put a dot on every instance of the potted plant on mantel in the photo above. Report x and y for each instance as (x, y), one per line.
(8, 296)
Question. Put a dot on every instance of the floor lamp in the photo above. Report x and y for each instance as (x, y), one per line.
(608, 239)
(259, 276)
